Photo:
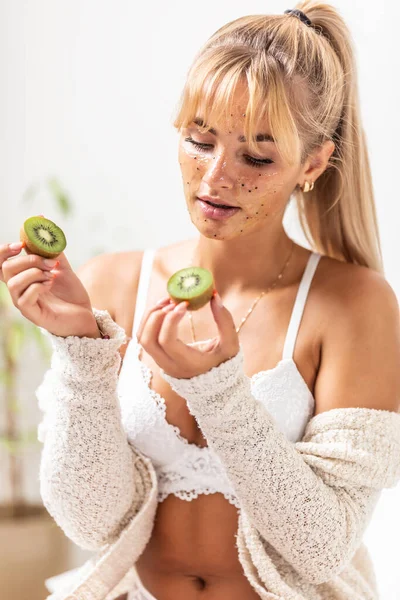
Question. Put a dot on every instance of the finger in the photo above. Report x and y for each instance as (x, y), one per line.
(30, 297)
(163, 302)
(6, 252)
(225, 323)
(22, 263)
(149, 337)
(18, 284)
(176, 351)
(151, 330)
(168, 336)
(63, 262)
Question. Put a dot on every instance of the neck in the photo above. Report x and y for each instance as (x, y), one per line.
(252, 262)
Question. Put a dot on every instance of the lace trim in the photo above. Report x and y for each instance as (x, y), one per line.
(189, 495)
(147, 376)
(192, 475)
(256, 380)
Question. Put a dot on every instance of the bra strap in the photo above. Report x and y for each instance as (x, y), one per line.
(299, 304)
(144, 281)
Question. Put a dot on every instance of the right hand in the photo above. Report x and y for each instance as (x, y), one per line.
(62, 307)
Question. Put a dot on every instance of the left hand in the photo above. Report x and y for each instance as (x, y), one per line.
(158, 334)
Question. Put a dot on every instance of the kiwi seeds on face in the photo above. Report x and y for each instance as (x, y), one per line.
(194, 284)
(43, 237)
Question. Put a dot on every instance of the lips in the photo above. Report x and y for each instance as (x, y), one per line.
(216, 202)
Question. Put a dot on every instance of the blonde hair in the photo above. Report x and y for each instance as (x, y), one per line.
(304, 79)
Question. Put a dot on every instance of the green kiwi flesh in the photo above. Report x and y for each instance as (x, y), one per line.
(43, 237)
(194, 284)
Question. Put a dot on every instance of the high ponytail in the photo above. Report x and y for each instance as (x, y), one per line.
(340, 212)
(304, 79)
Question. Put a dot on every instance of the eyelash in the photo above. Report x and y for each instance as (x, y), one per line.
(254, 162)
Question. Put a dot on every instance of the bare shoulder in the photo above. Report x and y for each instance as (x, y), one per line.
(111, 280)
(360, 349)
(106, 275)
(352, 291)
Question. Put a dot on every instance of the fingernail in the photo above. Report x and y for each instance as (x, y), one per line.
(181, 307)
(50, 262)
(168, 307)
(163, 301)
(15, 246)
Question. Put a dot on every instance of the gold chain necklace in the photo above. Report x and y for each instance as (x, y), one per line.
(271, 287)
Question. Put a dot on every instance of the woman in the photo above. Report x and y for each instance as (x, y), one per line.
(232, 462)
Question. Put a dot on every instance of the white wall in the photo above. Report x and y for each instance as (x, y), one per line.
(88, 91)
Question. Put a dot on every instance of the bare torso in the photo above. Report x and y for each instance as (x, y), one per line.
(192, 550)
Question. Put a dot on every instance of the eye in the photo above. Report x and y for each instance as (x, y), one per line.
(258, 162)
(197, 144)
(254, 162)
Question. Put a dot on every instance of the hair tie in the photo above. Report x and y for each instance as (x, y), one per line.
(298, 13)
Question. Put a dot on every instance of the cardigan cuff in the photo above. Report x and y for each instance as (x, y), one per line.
(213, 382)
(85, 357)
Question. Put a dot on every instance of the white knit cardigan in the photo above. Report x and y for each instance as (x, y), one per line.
(304, 506)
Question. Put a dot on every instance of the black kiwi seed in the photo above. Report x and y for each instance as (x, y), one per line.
(193, 284)
(43, 237)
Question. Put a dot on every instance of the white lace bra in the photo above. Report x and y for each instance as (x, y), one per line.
(183, 468)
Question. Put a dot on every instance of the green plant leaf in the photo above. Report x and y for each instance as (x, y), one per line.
(5, 378)
(24, 440)
(30, 192)
(13, 405)
(9, 445)
(5, 298)
(15, 339)
(61, 197)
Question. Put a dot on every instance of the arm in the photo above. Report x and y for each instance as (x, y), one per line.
(312, 500)
(91, 479)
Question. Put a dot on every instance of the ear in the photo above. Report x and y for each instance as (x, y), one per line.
(317, 162)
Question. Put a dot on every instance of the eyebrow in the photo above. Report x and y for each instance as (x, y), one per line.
(260, 137)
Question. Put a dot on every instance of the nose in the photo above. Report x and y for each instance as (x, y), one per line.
(217, 173)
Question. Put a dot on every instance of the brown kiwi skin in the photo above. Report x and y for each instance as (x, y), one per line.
(196, 303)
(31, 249)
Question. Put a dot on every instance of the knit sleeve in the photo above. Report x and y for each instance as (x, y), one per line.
(91, 479)
(311, 500)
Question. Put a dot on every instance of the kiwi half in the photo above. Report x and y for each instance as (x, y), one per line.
(194, 284)
(43, 237)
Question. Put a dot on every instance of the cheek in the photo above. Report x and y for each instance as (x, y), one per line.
(259, 190)
(264, 189)
(192, 166)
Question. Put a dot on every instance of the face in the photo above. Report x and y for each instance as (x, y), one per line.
(221, 166)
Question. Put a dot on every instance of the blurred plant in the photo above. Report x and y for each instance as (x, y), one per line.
(57, 193)
(15, 333)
